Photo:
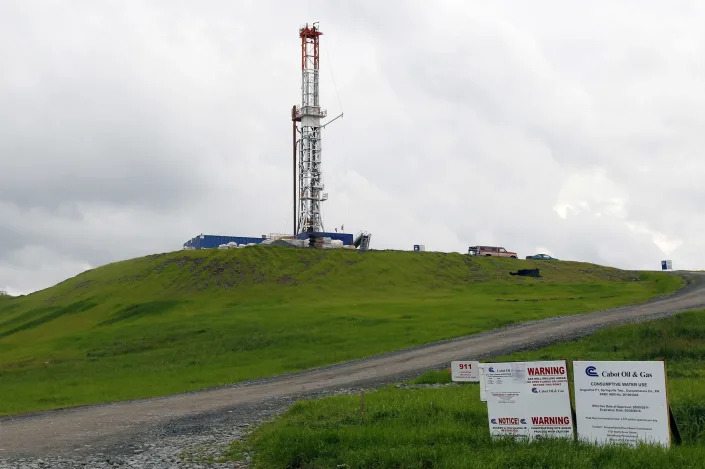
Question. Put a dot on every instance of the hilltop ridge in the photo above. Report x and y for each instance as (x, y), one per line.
(186, 320)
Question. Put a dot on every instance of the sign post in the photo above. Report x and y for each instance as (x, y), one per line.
(621, 402)
(483, 391)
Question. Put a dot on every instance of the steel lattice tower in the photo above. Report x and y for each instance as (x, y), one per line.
(309, 116)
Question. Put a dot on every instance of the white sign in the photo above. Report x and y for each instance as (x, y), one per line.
(464, 371)
(621, 402)
(528, 400)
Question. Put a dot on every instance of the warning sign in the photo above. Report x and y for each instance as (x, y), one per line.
(528, 400)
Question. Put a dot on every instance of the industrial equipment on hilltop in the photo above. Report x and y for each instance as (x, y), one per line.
(326, 240)
(308, 115)
(306, 122)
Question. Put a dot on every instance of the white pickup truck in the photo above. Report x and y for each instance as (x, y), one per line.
(490, 251)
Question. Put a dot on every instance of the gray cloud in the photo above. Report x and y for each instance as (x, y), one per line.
(128, 128)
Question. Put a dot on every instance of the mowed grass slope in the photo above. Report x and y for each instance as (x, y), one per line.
(447, 427)
(187, 320)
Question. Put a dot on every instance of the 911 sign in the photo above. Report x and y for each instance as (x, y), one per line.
(464, 371)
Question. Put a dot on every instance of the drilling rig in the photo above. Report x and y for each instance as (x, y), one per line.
(308, 136)
(306, 144)
(307, 175)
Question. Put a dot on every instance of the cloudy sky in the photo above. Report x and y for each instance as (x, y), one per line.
(573, 128)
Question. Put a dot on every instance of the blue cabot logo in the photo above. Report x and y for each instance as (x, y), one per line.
(490, 369)
(591, 371)
(493, 421)
(534, 390)
(523, 420)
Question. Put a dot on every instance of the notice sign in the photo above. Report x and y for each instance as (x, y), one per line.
(465, 371)
(621, 402)
(528, 400)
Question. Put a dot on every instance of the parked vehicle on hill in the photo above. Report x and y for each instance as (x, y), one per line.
(490, 251)
(541, 257)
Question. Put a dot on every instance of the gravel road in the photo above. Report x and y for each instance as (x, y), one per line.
(187, 430)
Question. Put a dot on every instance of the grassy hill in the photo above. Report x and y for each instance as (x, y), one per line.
(187, 320)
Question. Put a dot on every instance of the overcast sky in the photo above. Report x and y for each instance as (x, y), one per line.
(572, 128)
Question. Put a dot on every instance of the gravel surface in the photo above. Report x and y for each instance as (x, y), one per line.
(194, 430)
(199, 441)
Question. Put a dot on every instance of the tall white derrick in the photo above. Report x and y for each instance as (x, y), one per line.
(309, 114)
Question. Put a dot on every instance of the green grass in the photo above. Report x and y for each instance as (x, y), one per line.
(187, 320)
(447, 427)
(433, 377)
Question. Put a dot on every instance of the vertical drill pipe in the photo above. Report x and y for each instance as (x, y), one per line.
(293, 124)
